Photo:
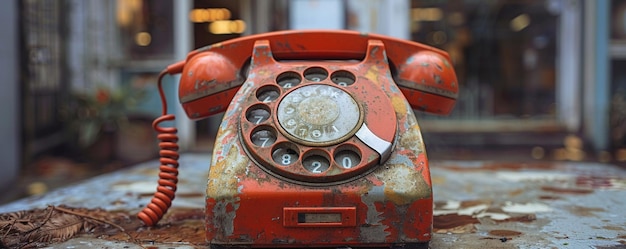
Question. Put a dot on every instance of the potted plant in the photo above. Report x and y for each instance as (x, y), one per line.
(95, 117)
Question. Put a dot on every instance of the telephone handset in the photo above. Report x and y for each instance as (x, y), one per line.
(318, 145)
(424, 74)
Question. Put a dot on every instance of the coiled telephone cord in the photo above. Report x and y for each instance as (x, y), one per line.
(168, 175)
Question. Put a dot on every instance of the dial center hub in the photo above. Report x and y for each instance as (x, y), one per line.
(319, 114)
(318, 110)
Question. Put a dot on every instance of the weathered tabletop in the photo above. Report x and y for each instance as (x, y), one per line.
(478, 204)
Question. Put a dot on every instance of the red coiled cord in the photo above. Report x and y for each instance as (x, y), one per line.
(168, 177)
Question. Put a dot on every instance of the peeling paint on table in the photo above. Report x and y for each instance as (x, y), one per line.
(532, 205)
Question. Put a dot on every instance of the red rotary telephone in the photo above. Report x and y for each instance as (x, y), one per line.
(319, 146)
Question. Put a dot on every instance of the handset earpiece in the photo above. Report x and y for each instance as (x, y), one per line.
(208, 83)
(428, 82)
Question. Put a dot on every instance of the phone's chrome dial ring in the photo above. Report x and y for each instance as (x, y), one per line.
(319, 115)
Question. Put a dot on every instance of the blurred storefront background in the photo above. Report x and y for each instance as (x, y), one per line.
(542, 76)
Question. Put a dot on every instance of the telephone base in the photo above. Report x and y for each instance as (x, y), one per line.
(319, 153)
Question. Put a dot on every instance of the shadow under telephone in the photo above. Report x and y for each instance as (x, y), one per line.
(319, 146)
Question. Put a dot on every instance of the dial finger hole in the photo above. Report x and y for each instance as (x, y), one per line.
(258, 114)
(316, 162)
(315, 74)
(343, 78)
(347, 157)
(285, 154)
(263, 136)
(288, 79)
(268, 94)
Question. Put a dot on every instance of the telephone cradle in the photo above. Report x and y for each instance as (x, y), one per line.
(319, 145)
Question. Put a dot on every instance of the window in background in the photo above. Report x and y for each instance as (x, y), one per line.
(145, 28)
(617, 114)
(618, 20)
(506, 55)
(42, 84)
(145, 37)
